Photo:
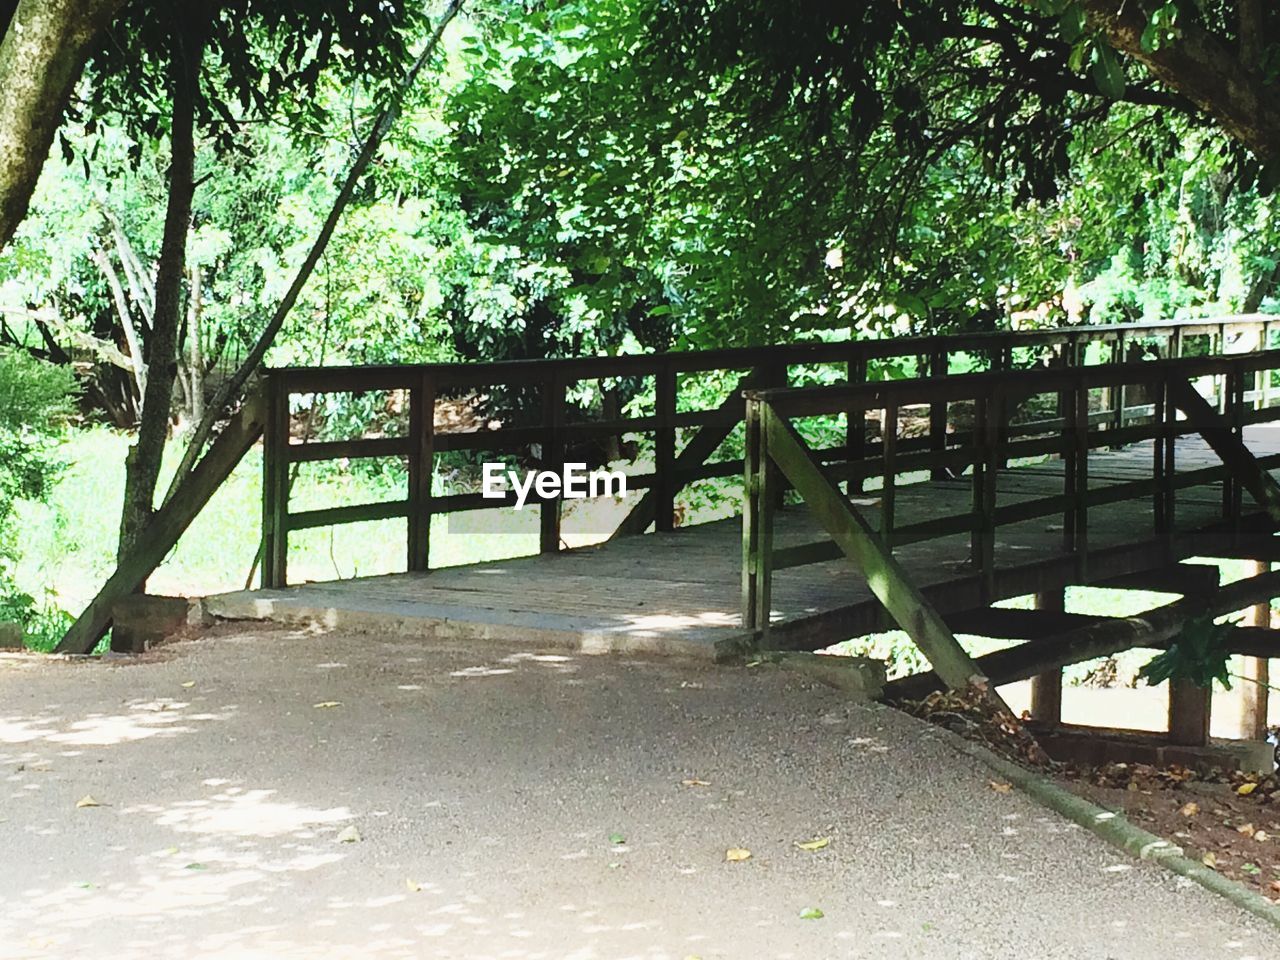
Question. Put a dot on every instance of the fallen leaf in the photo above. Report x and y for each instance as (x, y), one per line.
(1246, 829)
(188, 683)
(694, 782)
(85, 885)
(1210, 861)
(325, 704)
(349, 835)
(617, 838)
(737, 854)
(1190, 808)
(413, 886)
(1261, 835)
(811, 913)
(195, 866)
(999, 787)
(1246, 788)
(817, 843)
(87, 801)
(1252, 869)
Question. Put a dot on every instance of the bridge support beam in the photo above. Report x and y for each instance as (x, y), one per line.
(1046, 688)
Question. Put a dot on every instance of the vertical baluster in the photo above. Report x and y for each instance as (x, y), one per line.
(275, 485)
(554, 389)
(888, 494)
(422, 406)
(939, 364)
(855, 425)
(665, 385)
(1158, 453)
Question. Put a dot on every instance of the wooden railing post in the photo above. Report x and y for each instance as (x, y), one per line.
(939, 366)
(1159, 402)
(665, 387)
(1080, 438)
(981, 534)
(275, 484)
(757, 522)
(855, 424)
(889, 489)
(553, 414)
(422, 407)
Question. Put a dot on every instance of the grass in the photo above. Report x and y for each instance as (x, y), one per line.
(68, 545)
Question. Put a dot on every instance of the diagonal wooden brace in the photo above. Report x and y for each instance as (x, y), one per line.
(168, 524)
(1228, 446)
(884, 575)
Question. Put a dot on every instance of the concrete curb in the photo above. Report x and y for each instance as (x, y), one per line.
(1119, 832)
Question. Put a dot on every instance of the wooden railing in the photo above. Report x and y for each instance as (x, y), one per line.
(1239, 394)
(553, 429)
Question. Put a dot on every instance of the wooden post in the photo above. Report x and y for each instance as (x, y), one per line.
(1120, 390)
(1080, 540)
(939, 366)
(855, 424)
(553, 403)
(757, 524)
(422, 407)
(275, 485)
(1189, 711)
(1158, 404)
(981, 545)
(889, 492)
(1254, 695)
(992, 433)
(1046, 688)
(664, 385)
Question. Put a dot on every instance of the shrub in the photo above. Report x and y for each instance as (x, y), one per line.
(35, 402)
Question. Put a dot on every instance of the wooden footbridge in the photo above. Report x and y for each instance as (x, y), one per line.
(1004, 464)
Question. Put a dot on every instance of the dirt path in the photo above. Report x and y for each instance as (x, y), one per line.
(518, 806)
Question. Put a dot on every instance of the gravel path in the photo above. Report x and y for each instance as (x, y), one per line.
(515, 805)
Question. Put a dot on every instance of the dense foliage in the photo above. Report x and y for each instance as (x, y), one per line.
(34, 403)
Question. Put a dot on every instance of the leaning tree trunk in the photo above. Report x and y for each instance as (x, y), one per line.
(41, 56)
(142, 471)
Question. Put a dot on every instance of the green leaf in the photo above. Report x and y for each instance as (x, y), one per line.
(1107, 72)
(1071, 23)
(811, 913)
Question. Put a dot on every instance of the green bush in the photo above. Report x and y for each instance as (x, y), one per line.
(35, 402)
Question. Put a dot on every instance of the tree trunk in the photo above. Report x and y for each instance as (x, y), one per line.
(41, 57)
(142, 470)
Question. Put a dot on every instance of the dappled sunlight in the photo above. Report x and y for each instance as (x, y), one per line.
(248, 814)
(143, 720)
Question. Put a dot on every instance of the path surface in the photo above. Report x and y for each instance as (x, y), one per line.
(485, 785)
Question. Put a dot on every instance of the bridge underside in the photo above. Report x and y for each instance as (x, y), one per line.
(678, 592)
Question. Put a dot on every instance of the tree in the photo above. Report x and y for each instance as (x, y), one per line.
(42, 53)
(739, 170)
(167, 71)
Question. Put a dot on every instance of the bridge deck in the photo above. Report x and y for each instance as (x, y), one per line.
(678, 592)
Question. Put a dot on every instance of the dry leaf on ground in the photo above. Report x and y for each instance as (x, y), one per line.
(817, 843)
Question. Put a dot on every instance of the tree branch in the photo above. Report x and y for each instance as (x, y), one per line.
(231, 388)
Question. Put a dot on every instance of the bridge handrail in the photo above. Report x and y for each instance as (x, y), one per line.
(674, 467)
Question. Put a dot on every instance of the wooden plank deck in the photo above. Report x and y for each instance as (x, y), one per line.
(678, 592)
